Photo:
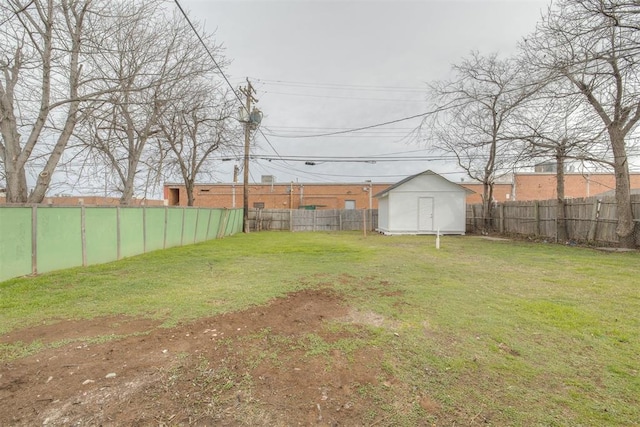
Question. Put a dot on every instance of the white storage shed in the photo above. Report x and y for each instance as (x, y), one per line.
(425, 203)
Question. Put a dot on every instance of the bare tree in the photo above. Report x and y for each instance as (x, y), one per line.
(151, 57)
(553, 124)
(595, 45)
(473, 119)
(42, 85)
(194, 128)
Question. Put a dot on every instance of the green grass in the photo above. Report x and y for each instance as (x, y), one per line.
(511, 333)
(179, 283)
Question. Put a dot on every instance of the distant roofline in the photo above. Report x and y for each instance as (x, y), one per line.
(572, 173)
(462, 183)
(409, 178)
(362, 183)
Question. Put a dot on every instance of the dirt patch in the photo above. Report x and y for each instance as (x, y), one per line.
(270, 365)
(67, 330)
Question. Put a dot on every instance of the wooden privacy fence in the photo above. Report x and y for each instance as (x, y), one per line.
(313, 220)
(590, 219)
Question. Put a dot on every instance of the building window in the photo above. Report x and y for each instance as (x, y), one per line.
(258, 205)
(349, 204)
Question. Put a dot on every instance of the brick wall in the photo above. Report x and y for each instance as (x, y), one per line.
(501, 192)
(526, 186)
(542, 186)
(278, 196)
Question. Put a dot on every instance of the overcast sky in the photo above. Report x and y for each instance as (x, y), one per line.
(324, 66)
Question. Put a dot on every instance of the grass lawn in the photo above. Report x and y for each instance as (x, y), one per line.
(535, 334)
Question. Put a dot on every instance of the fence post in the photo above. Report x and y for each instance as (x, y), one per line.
(536, 213)
(118, 226)
(184, 212)
(206, 237)
(315, 219)
(195, 232)
(593, 229)
(34, 239)
(475, 218)
(501, 213)
(144, 229)
(166, 222)
(83, 235)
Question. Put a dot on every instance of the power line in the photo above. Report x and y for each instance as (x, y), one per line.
(337, 86)
(306, 95)
(361, 128)
(448, 106)
(377, 131)
(322, 128)
(354, 159)
(186, 17)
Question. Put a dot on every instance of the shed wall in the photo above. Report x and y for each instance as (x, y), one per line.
(404, 215)
(383, 214)
(423, 204)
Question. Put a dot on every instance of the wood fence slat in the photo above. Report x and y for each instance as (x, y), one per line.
(592, 219)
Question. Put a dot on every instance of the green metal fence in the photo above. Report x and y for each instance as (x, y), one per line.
(38, 239)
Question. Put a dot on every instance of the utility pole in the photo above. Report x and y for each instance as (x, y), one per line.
(248, 92)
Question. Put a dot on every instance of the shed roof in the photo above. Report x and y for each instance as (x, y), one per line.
(409, 178)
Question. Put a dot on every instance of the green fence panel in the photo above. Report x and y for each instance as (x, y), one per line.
(15, 242)
(214, 223)
(154, 223)
(59, 238)
(101, 235)
(174, 227)
(239, 220)
(190, 217)
(59, 234)
(234, 223)
(131, 232)
(202, 223)
(228, 222)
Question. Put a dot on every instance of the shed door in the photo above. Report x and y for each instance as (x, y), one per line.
(425, 214)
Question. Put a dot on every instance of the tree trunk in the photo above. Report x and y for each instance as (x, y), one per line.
(626, 226)
(487, 196)
(127, 191)
(189, 188)
(129, 182)
(44, 178)
(15, 176)
(16, 183)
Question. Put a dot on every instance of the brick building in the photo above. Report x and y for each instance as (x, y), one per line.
(520, 186)
(501, 192)
(542, 186)
(280, 195)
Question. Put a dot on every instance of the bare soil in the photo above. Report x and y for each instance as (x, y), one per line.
(263, 366)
